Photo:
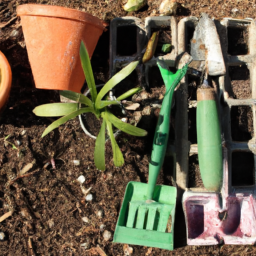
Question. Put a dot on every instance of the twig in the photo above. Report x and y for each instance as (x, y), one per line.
(25, 169)
(31, 251)
(23, 176)
(6, 215)
(3, 10)
(2, 25)
(53, 163)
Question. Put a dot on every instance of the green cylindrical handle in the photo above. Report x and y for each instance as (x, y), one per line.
(160, 142)
(209, 140)
(171, 81)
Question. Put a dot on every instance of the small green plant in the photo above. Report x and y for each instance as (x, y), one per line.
(96, 105)
(13, 146)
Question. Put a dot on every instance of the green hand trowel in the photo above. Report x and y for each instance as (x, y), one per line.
(147, 214)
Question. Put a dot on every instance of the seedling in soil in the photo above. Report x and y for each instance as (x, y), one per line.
(97, 105)
(5, 140)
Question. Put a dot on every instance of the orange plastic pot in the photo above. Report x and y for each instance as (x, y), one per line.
(53, 35)
(5, 80)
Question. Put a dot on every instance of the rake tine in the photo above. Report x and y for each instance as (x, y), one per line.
(163, 219)
(151, 218)
(131, 216)
(141, 217)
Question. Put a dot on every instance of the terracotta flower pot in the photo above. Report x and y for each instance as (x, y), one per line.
(5, 80)
(53, 35)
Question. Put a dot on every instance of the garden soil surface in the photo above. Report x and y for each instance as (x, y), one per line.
(51, 215)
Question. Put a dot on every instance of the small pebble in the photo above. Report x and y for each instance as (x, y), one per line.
(76, 162)
(89, 197)
(127, 250)
(2, 236)
(168, 7)
(85, 245)
(146, 111)
(234, 10)
(100, 213)
(81, 179)
(107, 235)
(50, 223)
(144, 95)
(85, 219)
(124, 119)
(17, 142)
(102, 227)
(25, 213)
(23, 133)
(14, 33)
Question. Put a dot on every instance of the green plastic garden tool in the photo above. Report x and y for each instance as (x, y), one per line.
(209, 138)
(147, 213)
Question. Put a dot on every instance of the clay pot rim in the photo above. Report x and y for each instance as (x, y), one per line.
(60, 12)
(5, 81)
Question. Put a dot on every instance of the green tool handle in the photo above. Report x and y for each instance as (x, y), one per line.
(171, 81)
(209, 140)
(160, 142)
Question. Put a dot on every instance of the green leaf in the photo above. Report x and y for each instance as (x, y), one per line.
(128, 128)
(55, 109)
(86, 64)
(129, 93)
(13, 146)
(166, 48)
(64, 119)
(117, 154)
(78, 97)
(117, 78)
(105, 103)
(134, 5)
(99, 151)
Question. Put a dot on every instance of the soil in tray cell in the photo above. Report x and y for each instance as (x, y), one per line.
(192, 135)
(242, 169)
(126, 40)
(189, 35)
(195, 180)
(165, 37)
(240, 82)
(154, 77)
(193, 83)
(241, 123)
(238, 40)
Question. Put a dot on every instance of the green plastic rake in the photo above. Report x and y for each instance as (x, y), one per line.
(147, 213)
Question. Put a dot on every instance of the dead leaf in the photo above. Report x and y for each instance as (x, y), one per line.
(86, 230)
(97, 251)
(133, 106)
